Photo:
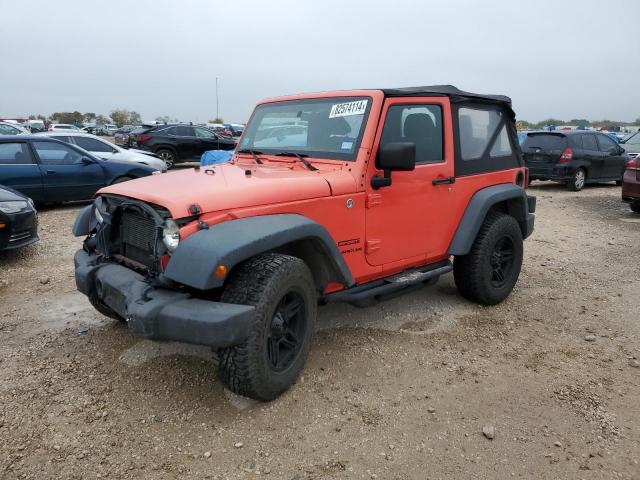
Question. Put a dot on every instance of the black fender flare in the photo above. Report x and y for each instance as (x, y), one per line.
(229, 243)
(85, 222)
(518, 204)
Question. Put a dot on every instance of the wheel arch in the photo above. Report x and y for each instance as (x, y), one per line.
(506, 198)
(230, 243)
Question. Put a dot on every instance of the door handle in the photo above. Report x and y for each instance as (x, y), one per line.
(51, 172)
(444, 181)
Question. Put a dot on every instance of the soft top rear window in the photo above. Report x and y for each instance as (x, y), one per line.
(544, 141)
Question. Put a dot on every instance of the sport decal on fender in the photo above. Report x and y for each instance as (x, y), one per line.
(347, 109)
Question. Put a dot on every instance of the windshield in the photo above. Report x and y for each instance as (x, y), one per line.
(326, 128)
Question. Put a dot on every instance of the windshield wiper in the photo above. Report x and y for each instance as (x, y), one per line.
(300, 157)
(253, 153)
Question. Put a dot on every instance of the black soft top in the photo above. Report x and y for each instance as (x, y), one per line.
(454, 93)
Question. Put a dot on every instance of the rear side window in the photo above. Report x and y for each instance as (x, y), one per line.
(575, 141)
(8, 130)
(606, 144)
(14, 154)
(184, 131)
(92, 145)
(486, 140)
(589, 142)
(543, 141)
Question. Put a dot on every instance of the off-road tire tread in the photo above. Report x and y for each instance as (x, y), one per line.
(252, 283)
(469, 271)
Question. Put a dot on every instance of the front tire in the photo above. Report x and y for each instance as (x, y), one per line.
(578, 180)
(635, 206)
(282, 290)
(488, 273)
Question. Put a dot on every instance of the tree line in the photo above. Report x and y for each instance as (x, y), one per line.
(120, 117)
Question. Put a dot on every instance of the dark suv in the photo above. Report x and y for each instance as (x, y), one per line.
(178, 143)
(573, 157)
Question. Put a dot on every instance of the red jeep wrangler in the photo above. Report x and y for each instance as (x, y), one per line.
(349, 196)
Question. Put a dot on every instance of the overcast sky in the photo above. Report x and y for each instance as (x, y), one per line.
(567, 59)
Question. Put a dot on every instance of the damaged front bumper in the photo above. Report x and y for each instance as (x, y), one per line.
(161, 313)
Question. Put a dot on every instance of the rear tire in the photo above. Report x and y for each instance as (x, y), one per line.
(282, 290)
(578, 180)
(168, 156)
(488, 273)
(635, 206)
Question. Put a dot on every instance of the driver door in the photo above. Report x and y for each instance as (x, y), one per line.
(405, 220)
(65, 176)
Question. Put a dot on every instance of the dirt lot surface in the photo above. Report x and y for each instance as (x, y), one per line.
(402, 390)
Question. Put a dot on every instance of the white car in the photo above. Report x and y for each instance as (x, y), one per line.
(63, 127)
(107, 150)
(7, 128)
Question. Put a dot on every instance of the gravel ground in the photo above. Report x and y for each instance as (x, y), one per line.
(545, 385)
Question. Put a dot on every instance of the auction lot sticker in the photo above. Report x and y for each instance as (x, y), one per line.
(347, 109)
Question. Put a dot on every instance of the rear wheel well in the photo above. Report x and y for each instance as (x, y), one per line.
(514, 207)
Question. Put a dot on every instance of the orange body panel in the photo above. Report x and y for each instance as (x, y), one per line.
(379, 232)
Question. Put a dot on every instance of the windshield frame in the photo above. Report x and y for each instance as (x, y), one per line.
(312, 155)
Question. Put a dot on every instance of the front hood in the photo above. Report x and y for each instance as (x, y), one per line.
(142, 153)
(230, 187)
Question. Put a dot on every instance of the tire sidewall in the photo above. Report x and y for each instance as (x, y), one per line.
(505, 227)
(572, 183)
(167, 162)
(280, 381)
(250, 372)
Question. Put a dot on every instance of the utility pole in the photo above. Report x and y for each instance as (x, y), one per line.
(217, 113)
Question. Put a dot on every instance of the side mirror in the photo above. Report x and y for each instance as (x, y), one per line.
(394, 156)
(621, 150)
(87, 161)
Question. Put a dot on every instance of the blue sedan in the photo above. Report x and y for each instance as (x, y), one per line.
(49, 170)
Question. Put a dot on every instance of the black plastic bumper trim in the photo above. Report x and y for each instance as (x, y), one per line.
(159, 313)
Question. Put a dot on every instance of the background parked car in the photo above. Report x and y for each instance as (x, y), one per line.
(179, 143)
(48, 170)
(235, 129)
(631, 184)
(573, 157)
(107, 150)
(36, 126)
(109, 129)
(631, 144)
(57, 127)
(7, 128)
(18, 220)
(121, 136)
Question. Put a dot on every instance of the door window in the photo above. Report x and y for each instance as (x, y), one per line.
(14, 154)
(606, 144)
(204, 133)
(589, 142)
(51, 153)
(93, 145)
(420, 124)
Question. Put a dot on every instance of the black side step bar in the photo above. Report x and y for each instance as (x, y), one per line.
(389, 287)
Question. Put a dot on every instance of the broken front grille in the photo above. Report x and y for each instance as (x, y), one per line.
(138, 237)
